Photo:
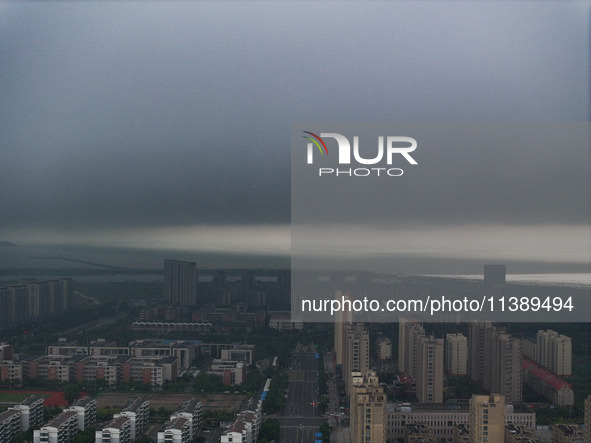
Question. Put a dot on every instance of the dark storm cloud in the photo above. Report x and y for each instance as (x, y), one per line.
(157, 114)
(493, 173)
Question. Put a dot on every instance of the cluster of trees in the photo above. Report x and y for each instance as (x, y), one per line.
(464, 387)
(270, 431)
(558, 414)
(209, 383)
(323, 400)
(212, 418)
(325, 429)
(276, 395)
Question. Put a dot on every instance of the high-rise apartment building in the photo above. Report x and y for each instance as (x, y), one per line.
(402, 344)
(487, 418)
(503, 370)
(180, 283)
(554, 352)
(476, 350)
(410, 335)
(367, 408)
(422, 357)
(343, 321)
(33, 299)
(456, 354)
(587, 418)
(429, 374)
(356, 353)
(495, 360)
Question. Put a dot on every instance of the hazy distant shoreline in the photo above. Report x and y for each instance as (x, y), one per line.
(578, 280)
(108, 263)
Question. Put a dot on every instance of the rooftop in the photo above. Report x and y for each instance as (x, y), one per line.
(85, 401)
(7, 414)
(30, 400)
(134, 405)
(177, 423)
(62, 418)
(117, 423)
(189, 405)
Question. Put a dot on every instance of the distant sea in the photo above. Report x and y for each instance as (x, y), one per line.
(573, 280)
(108, 263)
(119, 264)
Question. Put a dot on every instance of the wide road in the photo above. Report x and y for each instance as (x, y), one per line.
(301, 417)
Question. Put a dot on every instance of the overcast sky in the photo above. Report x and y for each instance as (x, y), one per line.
(144, 120)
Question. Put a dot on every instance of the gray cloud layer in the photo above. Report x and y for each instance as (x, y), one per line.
(144, 114)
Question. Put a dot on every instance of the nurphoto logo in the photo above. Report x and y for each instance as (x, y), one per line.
(395, 148)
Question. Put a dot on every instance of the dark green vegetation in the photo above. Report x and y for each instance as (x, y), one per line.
(322, 384)
(325, 429)
(85, 437)
(269, 431)
(211, 418)
(464, 387)
(209, 383)
(121, 291)
(276, 395)
(323, 400)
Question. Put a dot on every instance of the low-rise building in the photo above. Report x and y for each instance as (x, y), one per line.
(11, 370)
(10, 424)
(282, 322)
(190, 410)
(31, 412)
(247, 425)
(554, 389)
(235, 433)
(156, 349)
(85, 409)
(442, 418)
(177, 430)
(117, 430)
(61, 429)
(567, 433)
(384, 349)
(138, 412)
(239, 352)
(232, 372)
(517, 433)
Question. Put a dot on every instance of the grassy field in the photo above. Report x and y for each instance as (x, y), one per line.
(16, 397)
(12, 397)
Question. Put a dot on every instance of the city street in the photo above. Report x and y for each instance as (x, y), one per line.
(301, 417)
(339, 434)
